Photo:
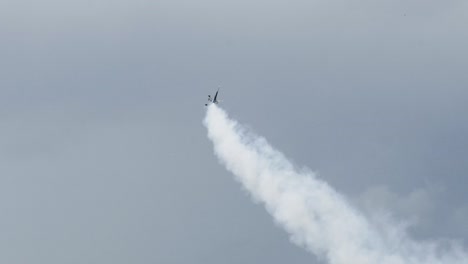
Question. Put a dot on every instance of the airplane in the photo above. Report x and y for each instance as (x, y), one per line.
(214, 100)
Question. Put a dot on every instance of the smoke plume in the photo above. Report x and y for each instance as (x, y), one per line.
(316, 216)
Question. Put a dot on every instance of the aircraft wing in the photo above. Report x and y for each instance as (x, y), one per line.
(216, 96)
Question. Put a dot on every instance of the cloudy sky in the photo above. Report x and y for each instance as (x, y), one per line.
(104, 157)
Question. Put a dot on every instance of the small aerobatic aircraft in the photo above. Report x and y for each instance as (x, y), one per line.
(213, 100)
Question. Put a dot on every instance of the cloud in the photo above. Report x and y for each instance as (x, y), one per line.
(413, 206)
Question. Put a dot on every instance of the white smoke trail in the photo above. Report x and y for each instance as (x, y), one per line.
(315, 215)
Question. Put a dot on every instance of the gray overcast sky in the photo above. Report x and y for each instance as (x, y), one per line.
(104, 158)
